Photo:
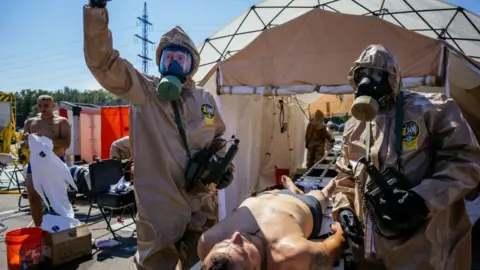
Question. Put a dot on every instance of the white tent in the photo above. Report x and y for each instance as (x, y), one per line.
(251, 89)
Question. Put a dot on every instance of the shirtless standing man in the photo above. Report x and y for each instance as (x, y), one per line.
(57, 129)
(271, 231)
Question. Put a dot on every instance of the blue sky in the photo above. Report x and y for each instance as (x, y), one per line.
(41, 41)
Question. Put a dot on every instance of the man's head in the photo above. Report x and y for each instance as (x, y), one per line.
(376, 78)
(45, 105)
(238, 252)
(177, 45)
(177, 60)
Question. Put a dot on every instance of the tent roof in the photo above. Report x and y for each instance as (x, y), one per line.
(432, 18)
(318, 48)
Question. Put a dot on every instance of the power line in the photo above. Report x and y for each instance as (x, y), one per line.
(144, 38)
(51, 59)
(50, 48)
(202, 28)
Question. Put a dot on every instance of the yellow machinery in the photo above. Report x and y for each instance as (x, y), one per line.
(8, 134)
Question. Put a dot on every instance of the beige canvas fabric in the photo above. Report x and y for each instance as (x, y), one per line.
(165, 210)
(441, 162)
(121, 148)
(313, 49)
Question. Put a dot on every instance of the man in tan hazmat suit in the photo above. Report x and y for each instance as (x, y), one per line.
(425, 138)
(172, 121)
(316, 139)
(120, 149)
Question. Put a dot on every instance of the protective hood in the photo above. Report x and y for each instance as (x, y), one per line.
(318, 116)
(379, 57)
(178, 37)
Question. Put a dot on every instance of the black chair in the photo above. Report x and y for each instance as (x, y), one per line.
(103, 174)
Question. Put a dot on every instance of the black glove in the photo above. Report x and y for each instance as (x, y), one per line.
(404, 206)
(351, 226)
(98, 3)
(227, 177)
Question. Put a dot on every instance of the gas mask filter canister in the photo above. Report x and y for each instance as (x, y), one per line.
(365, 105)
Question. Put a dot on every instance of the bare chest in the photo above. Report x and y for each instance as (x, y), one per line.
(48, 128)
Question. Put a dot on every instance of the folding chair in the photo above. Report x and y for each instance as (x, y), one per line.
(103, 174)
(11, 173)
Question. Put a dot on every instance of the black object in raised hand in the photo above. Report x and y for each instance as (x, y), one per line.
(98, 3)
(351, 226)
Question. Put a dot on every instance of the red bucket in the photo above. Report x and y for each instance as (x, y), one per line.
(279, 172)
(24, 247)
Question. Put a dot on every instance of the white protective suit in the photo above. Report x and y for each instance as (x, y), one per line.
(50, 176)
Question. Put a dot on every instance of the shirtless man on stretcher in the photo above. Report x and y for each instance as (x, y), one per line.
(271, 231)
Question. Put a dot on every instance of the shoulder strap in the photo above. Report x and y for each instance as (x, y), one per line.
(181, 130)
(368, 140)
(398, 127)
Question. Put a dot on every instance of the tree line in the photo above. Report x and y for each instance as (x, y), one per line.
(26, 100)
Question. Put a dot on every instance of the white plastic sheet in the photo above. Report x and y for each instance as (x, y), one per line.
(51, 223)
(50, 175)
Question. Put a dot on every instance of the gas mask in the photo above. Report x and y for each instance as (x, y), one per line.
(373, 91)
(176, 63)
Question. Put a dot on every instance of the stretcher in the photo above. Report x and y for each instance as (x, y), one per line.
(315, 178)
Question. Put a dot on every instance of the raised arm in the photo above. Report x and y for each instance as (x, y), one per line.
(114, 73)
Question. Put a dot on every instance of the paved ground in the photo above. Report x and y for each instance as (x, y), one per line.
(118, 258)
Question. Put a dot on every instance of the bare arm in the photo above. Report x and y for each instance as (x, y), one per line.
(324, 254)
(65, 138)
(26, 130)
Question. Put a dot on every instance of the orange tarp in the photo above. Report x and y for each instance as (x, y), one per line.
(115, 125)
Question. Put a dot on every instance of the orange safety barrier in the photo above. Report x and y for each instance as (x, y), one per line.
(115, 125)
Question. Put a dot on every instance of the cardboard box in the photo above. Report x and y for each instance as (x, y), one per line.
(68, 245)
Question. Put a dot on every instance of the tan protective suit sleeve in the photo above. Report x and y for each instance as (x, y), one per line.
(113, 73)
(344, 193)
(218, 140)
(456, 171)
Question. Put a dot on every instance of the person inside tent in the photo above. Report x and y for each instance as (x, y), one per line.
(330, 131)
(407, 161)
(174, 123)
(254, 238)
(56, 128)
(316, 139)
(120, 149)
